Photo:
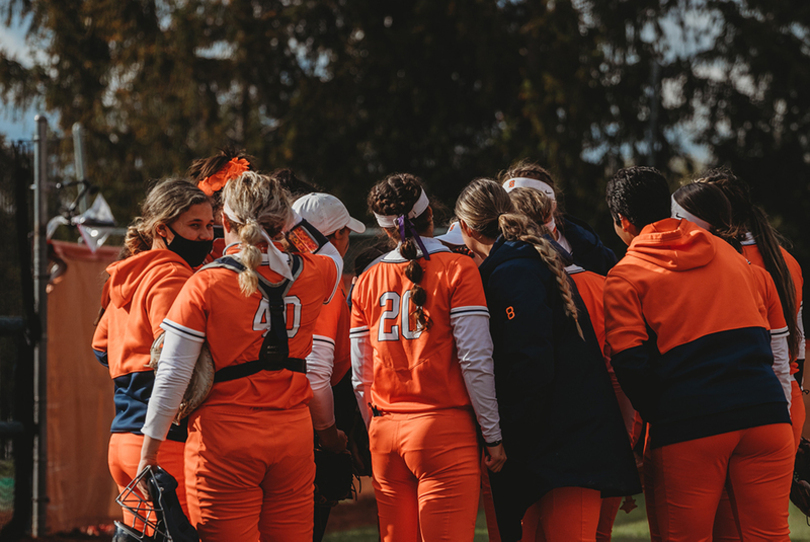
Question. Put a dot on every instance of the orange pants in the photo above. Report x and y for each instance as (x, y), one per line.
(725, 526)
(124, 455)
(684, 483)
(607, 516)
(565, 514)
(250, 474)
(426, 475)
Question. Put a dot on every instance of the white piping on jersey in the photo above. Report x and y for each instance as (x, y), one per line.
(191, 334)
(573, 269)
(359, 331)
(323, 339)
(748, 239)
(470, 310)
(431, 245)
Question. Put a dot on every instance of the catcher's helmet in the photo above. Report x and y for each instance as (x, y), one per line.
(158, 518)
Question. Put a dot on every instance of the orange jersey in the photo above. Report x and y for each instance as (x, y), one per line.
(333, 328)
(770, 299)
(211, 307)
(141, 290)
(416, 370)
(751, 252)
(591, 287)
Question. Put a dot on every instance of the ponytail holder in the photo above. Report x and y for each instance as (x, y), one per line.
(402, 221)
(217, 181)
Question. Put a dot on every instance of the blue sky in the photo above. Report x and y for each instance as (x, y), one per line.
(16, 124)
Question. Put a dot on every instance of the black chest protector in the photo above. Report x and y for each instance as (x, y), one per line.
(275, 352)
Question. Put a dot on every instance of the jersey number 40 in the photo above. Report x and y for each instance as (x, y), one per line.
(292, 316)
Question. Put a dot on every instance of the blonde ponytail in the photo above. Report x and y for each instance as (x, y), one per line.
(258, 204)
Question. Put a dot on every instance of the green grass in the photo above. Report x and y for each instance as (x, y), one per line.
(630, 527)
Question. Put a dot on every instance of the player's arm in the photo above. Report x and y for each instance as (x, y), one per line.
(469, 320)
(362, 358)
(630, 346)
(320, 363)
(100, 340)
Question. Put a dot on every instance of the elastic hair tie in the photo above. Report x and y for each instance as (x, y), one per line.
(401, 222)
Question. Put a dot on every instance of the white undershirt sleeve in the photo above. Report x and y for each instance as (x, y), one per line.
(802, 334)
(781, 361)
(177, 362)
(474, 346)
(320, 364)
(362, 369)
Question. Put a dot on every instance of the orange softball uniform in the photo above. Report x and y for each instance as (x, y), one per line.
(408, 363)
(249, 458)
(137, 297)
(418, 383)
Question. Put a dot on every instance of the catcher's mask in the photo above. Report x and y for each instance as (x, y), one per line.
(158, 518)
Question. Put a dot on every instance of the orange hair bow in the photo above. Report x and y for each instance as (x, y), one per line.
(217, 181)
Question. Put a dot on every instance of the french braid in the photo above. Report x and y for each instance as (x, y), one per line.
(396, 195)
(486, 208)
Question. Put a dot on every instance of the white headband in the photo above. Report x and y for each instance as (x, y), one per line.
(680, 212)
(525, 182)
(389, 221)
(275, 258)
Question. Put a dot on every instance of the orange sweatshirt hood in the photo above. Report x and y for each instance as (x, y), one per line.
(127, 274)
(676, 245)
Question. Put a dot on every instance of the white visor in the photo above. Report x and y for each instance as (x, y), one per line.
(389, 221)
(680, 212)
(525, 182)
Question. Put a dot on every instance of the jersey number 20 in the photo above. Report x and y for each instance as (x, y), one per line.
(396, 309)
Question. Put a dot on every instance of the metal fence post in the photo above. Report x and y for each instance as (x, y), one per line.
(40, 495)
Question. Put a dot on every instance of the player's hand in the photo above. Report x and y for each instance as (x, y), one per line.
(142, 485)
(333, 440)
(495, 457)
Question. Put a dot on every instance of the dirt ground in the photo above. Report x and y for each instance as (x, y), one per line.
(346, 515)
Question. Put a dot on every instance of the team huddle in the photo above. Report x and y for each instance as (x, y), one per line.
(512, 358)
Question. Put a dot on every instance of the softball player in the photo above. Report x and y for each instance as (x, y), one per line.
(172, 235)
(560, 420)
(422, 372)
(575, 236)
(691, 349)
(330, 358)
(538, 206)
(249, 455)
(761, 247)
(211, 175)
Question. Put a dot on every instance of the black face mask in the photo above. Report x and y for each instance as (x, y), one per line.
(193, 252)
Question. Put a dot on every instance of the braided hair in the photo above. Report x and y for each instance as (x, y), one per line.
(748, 217)
(258, 203)
(487, 209)
(395, 196)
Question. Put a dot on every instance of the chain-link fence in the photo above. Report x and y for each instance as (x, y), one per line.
(16, 365)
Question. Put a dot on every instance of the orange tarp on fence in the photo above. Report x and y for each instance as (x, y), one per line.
(80, 396)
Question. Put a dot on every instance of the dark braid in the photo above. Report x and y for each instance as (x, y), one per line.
(396, 195)
(205, 167)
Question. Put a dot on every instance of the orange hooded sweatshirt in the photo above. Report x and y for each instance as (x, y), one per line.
(141, 290)
(686, 335)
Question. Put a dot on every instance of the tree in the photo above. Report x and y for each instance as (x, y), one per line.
(346, 92)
